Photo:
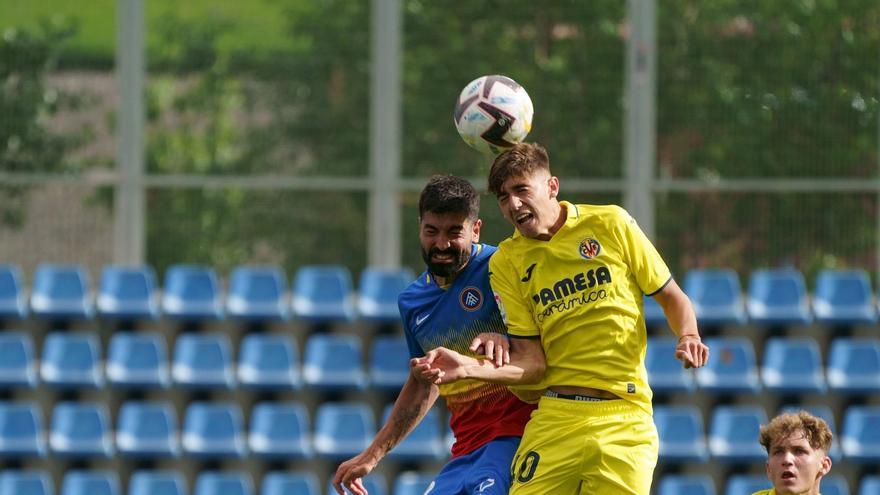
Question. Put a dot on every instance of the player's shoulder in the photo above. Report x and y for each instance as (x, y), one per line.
(610, 217)
(415, 291)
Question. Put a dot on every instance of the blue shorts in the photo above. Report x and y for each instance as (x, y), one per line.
(485, 471)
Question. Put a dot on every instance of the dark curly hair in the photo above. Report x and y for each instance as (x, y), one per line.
(449, 194)
(815, 430)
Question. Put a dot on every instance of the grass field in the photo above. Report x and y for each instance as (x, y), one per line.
(259, 24)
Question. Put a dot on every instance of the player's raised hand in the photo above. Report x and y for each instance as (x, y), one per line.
(494, 346)
(422, 370)
(350, 473)
(691, 351)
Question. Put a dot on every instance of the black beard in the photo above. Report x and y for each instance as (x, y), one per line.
(446, 270)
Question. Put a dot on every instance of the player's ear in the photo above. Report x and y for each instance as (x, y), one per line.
(826, 465)
(553, 185)
(475, 237)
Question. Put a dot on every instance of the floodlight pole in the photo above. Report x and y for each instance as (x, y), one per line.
(640, 113)
(383, 221)
(128, 196)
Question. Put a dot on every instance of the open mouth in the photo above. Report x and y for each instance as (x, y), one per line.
(788, 475)
(523, 218)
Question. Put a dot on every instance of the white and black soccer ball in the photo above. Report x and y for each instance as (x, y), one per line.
(493, 113)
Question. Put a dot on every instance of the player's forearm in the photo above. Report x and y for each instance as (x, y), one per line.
(415, 399)
(678, 310)
(526, 366)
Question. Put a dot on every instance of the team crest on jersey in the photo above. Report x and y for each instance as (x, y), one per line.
(589, 248)
(471, 299)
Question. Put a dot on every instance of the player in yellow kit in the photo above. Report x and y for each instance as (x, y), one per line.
(797, 453)
(573, 277)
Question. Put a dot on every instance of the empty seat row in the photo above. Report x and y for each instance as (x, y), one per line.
(733, 433)
(203, 361)
(791, 365)
(745, 484)
(776, 297)
(214, 430)
(319, 293)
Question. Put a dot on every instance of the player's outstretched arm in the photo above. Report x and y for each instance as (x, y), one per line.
(691, 350)
(527, 365)
(415, 399)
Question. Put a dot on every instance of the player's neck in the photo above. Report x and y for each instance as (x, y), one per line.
(561, 217)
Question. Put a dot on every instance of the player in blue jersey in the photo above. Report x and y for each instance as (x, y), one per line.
(449, 305)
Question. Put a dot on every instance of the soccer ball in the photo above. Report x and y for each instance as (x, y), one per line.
(493, 113)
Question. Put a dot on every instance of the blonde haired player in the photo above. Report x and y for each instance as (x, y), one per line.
(797, 453)
(572, 277)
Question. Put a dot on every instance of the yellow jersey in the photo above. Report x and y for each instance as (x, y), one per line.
(581, 293)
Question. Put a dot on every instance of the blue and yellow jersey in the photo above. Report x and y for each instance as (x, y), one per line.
(435, 316)
(581, 294)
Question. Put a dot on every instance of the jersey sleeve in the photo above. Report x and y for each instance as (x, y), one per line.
(650, 270)
(514, 306)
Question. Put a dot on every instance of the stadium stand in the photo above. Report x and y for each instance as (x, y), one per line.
(854, 366)
(18, 367)
(61, 292)
(716, 296)
(14, 482)
(746, 484)
(389, 363)
(424, 443)
(257, 293)
(343, 430)
(223, 483)
(13, 303)
(870, 485)
(192, 293)
(732, 369)
(138, 360)
(81, 430)
(834, 485)
(128, 293)
(334, 362)
(686, 485)
(778, 297)
(323, 294)
(682, 437)
(147, 430)
(412, 483)
(377, 293)
(861, 434)
(280, 431)
(844, 297)
(144, 482)
(203, 361)
(269, 362)
(21, 430)
(374, 483)
(665, 373)
(793, 366)
(90, 483)
(653, 312)
(733, 434)
(72, 360)
(214, 430)
(285, 483)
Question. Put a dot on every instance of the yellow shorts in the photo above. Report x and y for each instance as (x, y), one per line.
(574, 447)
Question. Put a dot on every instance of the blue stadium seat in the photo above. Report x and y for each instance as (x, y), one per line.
(81, 430)
(13, 482)
(378, 291)
(870, 485)
(323, 294)
(834, 485)
(138, 360)
(292, 482)
(61, 292)
(280, 431)
(203, 361)
(825, 413)
(343, 430)
(861, 434)
(654, 314)
(223, 483)
(214, 430)
(21, 430)
(665, 373)
(687, 485)
(128, 293)
(147, 430)
(844, 297)
(732, 368)
(373, 482)
(778, 297)
(389, 363)
(258, 293)
(424, 443)
(192, 293)
(412, 483)
(13, 304)
(333, 362)
(793, 366)
(18, 368)
(746, 484)
(682, 437)
(269, 361)
(90, 483)
(72, 360)
(145, 482)
(716, 296)
(733, 434)
(854, 366)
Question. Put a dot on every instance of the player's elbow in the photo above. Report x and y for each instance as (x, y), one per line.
(534, 373)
